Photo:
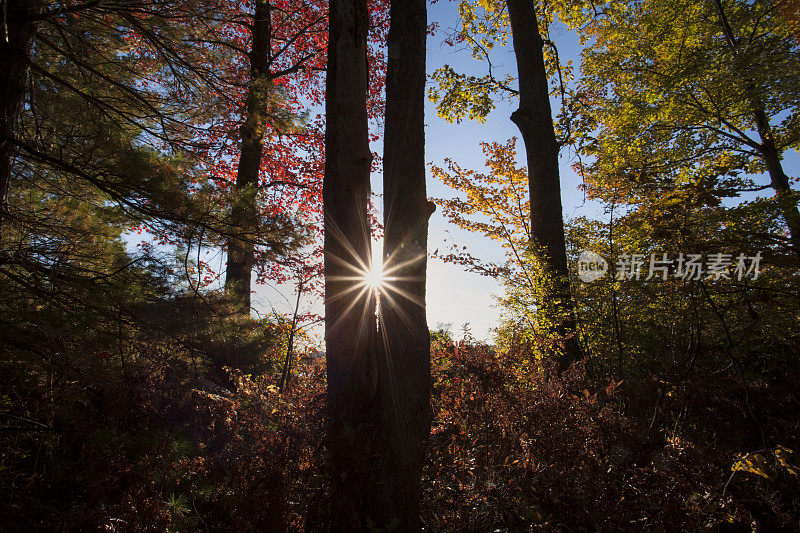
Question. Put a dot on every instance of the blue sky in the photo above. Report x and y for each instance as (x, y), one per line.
(455, 296)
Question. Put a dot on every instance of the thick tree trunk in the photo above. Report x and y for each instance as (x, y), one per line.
(404, 362)
(349, 304)
(16, 43)
(244, 216)
(535, 123)
(778, 178)
(768, 150)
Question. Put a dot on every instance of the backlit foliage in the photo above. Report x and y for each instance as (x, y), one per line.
(135, 398)
(668, 103)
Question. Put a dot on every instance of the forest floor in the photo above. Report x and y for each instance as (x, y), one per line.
(158, 448)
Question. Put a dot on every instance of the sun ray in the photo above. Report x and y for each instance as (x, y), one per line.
(344, 313)
(386, 353)
(357, 268)
(356, 263)
(390, 268)
(404, 293)
(399, 311)
(348, 291)
(361, 281)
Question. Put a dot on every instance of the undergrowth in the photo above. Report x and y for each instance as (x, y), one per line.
(157, 446)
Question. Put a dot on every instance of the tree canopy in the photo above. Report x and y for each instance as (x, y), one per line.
(210, 320)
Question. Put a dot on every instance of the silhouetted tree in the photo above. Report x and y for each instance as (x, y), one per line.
(404, 366)
(18, 31)
(535, 122)
(349, 304)
(241, 248)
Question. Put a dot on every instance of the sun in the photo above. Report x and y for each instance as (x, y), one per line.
(373, 278)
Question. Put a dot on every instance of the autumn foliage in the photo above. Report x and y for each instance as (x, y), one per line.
(156, 446)
(136, 394)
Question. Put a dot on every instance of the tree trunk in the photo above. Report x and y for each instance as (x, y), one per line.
(244, 216)
(769, 151)
(535, 123)
(16, 43)
(349, 304)
(778, 178)
(404, 362)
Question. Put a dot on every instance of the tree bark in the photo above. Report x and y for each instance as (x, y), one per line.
(768, 149)
(404, 361)
(244, 216)
(535, 123)
(778, 178)
(16, 44)
(349, 304)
